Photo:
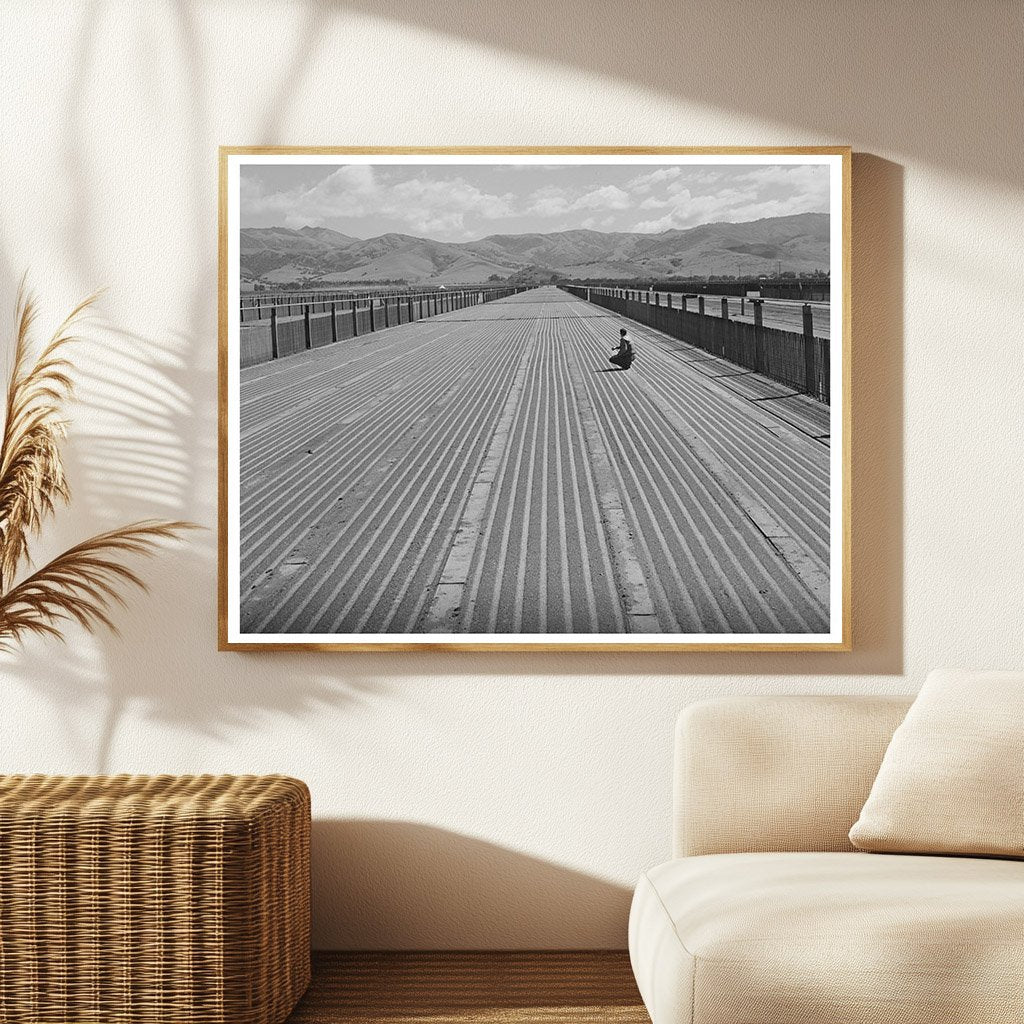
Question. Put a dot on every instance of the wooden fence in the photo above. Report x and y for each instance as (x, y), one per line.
(799, 361)
(282, 329)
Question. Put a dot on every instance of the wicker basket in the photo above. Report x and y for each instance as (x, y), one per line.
(137, 900)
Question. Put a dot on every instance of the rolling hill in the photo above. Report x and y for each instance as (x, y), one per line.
(315, 254)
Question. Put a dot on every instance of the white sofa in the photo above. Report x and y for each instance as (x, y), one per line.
(767, 914)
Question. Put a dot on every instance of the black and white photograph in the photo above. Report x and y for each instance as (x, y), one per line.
(534, 399)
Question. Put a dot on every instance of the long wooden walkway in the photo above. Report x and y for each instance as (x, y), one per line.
(487, 471)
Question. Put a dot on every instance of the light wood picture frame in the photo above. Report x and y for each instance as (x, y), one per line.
(424, 443)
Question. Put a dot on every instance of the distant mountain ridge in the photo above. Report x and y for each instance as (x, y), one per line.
(276, 255)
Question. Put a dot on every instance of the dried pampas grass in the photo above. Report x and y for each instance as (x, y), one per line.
(84, 582)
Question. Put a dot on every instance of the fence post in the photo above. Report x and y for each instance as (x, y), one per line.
(355, 318)
(305, 325)
(700, 304)
(387, 322)
(373, 325)
(334, 322)
(411, 317)
(725, 308)
(273, 332)
(810, 376)
(759, 359)
(743, 305)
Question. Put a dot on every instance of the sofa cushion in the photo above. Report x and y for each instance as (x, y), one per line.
(950, 780)
(830, 938)
(756, 774)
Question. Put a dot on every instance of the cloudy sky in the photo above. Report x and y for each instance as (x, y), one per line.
(455, 203)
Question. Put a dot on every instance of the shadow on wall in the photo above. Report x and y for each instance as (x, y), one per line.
(148, 447)
(886, 75)
(402, 885)
(154, 439)
(138, 455)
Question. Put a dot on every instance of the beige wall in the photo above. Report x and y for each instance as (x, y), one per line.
(488, 800)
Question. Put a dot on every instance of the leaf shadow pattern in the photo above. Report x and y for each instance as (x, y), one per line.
(130, 455)
(149, 446)
(144, 440)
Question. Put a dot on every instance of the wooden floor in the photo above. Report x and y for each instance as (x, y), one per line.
(483, 472)
(466, 988)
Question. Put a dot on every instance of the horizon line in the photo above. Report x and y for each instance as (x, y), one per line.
(514, 234)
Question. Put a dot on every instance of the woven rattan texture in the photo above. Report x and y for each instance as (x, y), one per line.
(144, 899)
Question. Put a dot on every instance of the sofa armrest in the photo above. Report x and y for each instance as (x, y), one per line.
(759, 774)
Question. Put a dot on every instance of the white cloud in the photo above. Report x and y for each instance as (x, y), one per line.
(548, 202)
(462, 202)
(556, 202)
(610, 197)
(769, 191)
(807, 177)
(357, 190)
(645, 182)
(708, 210)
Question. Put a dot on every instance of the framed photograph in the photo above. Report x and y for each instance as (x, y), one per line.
(510, 399)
